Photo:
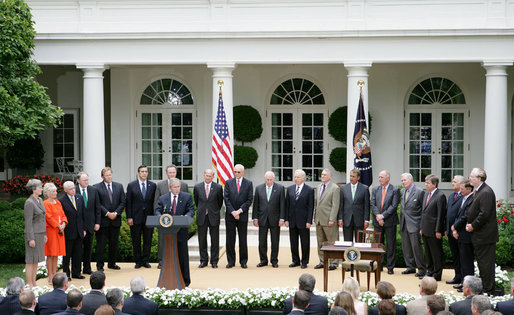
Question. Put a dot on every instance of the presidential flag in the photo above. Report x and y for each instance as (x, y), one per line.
(222, 159)
(361, 146)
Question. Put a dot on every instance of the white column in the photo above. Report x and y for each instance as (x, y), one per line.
(223, 72)
(496, 129)
(93, 139)
(357, 71)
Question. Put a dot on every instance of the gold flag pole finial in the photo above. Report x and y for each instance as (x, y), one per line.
(220, 83)
(360, 83)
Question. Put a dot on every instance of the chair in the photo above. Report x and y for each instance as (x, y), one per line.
(63, 168)
(368, 266)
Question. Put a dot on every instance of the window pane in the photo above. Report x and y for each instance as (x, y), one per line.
(414, 147)
(176, 119)
(188, 132)
(275, 119)
(426, 133)
(458, 133)
(146, 119)
(287, 146)
(307, 161)
(426, 119)
(287, 133)
(288, 119)
(187, 119)
(176, 132)
(146, 133)
(446, 161)
(414, 161)
(146, 146)
(306, 147)
(306, 133)
(318, 147)
(426, 161)
(275, 133)
(318, 119)
(318, 133)
(426, 147)
(415, 119)
(414, 133)
(307, 120)
(458, 161)
(318, 161)
(446, 175)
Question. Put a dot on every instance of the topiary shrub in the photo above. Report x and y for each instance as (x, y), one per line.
(12, 238)
(26, 154)
(505, 246)
(247, 124)
(337, 124)
(246, 156)
(19, 203)
(338, 159)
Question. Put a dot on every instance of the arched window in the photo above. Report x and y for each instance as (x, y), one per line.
(436, 90)
(297, 91)
(166, 91)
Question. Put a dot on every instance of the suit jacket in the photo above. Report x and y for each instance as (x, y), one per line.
(391, 201)
(400, 310)
(272, 210)
(235, 201)
(70, 311)
(317, 306)
(299, 212)
(506, 307)
(163, 188)
(35, 222)
(117, 205)
(410, 214)
(139, 305)
(51, 302)
(10, 304)
(482, 216)
(92, 211)
(433, 214)
(357, 207)
(91, 301)
(462, 307)
(213, 204)
(419, 306)
(76, 217)
(297, 312)
(118, 312)
(326, 207)
(25, 312)
(138, 208)
(184, 207)
(453, 210)
(461, 220)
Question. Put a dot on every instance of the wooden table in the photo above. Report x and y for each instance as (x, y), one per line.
(330, 251)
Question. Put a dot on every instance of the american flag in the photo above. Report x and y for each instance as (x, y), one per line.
(221, 152)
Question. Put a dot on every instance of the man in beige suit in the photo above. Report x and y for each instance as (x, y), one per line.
(326, 208)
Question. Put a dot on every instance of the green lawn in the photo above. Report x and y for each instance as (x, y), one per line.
(7, 271)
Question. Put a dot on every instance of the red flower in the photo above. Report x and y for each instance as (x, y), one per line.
(499, 205)
(498, 221)
(505, 220)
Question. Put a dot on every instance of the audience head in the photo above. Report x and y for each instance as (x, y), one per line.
(445, 312)
(60, 281)
(301, 299)
(115, 298)
(307, 282)
(351, 286)
(137, 285)
(104, 310)
(97, 280)
(345, 300)
(428, 286)
(435, 304)
(386, 307)
(74, 299)
(14, 286)
(27, 299)
(480, 303)
(337, 310)
(471, 285)
(385, 290)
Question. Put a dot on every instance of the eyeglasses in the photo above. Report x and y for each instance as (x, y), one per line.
(237, 172)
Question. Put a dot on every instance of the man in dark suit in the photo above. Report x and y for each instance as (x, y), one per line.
(162, 189)
(410, 224)
(384, 202)
(238, 197)
(54, 301)
(91, 217)
(507, 307)
(432, 226)
(268, 214)
(454, 202)
(74, 232)
(483, 227)
(115, 299)
(74, 303)
(301, 301)
(208, 197)
(318, 305)
(112, 203)
(299, 213)
(353, 206)
(463, 237)
(27, 303)
(178, 203)
(137, 303)
(140, 198)
(95, 297)
(10, 303)
(471, 287)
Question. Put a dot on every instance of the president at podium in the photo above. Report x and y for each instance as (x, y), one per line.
(178, 203)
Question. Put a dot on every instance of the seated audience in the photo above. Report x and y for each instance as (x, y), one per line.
(54, 301)
(10, 304)
(301, 300)
(345, 300)
(471, 286)
(435, 304)
(115, 300)
(427, 287)
(318, 304)
(386, 307)
(74, 303)
(480, 304)
(104, 310)
(507, 307)
(491, 312)
(96, 296)
(137, 303)
(351, 286)
(445, 313)
(337, 310)
(27, 303)
(386, 291)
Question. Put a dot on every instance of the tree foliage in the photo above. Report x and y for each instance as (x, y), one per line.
(25, 108)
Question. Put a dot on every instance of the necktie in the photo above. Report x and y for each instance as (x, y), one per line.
(84, 196)
(143, 190)
(268, 192)
(174, 204)
(455, 197)
(353, 191)
(474, 192)
(406, 194)
(73, 202)
(322, 190)
(238, 186)
(428, 199)
(383, 197)
(297, 192)
(207, 191)
(109, 191)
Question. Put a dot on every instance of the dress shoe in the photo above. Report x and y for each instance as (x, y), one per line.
(459, 290)
(147, 265)
(137, 266)
(261, 264)
(292, 265)
(69, 279)
(100, 268)
(202, 265)
(115, 267)
(229, 266)
(87, 272)
(159, 266)
(453, 281)
(275, 265)
(437, 278)
(244, 266)
(408, 271)
(420, 274)
(78, 277)
(458, 286)
(390, 272)
(304, 266)
(214, 265)
(318, 266)
(332, 267)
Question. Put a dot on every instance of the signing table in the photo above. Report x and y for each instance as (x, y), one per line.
(336, 250)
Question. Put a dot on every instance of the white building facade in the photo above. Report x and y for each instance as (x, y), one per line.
(138, 83)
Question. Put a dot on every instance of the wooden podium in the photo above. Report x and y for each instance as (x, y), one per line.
(170, 277)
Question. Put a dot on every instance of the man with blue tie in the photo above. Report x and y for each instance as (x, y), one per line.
(454, 202)
(140, 198)
(178, 203)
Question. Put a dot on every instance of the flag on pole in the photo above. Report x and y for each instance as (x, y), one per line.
(361, 145)
(221, 152)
